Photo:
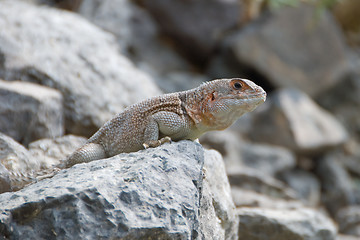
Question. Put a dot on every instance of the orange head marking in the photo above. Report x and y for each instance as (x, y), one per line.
(226, 100)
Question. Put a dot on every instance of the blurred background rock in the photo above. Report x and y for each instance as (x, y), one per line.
(298, 155)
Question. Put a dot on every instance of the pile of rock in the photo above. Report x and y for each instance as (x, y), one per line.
(292, 166)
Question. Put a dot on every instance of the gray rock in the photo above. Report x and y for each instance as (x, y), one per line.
(336, 183)
(350, 157)
(305, 184)
(195, 26)
(248, 198)
(297, 224)
(217, 210)
(252, 180)
(29, 111)
(237, 153)
(17, 162)
(20, 167)
(140, 39)
(287, 48)
(227, 142)
(51, 152)
(346, 237)
(344, 102)
(153, 194)
(291, 119)
(267, 159)
(62, 50)
(348, 219)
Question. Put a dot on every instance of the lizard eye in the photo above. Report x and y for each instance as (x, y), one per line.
(237, 85)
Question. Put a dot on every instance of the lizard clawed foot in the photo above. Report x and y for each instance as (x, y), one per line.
(156, 143)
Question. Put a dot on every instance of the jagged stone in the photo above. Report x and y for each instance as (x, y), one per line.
(158, 193)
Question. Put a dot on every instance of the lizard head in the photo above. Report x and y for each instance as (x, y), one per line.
(225, 100)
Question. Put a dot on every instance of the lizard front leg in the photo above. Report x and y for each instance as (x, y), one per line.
(168, 124)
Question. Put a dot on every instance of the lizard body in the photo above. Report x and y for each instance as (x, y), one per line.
(214, 105)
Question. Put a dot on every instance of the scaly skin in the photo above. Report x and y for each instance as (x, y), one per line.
(214, 105)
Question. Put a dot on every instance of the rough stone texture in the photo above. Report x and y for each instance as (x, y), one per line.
(291, 119)
(349, 220)
(298, 224)
(17, 160)
(29, 111)
(51, 152)
(305, 184)
(287, 48)
(63, 51)
(154, 194)
(195, 26)
(337, 186)
(217, 209)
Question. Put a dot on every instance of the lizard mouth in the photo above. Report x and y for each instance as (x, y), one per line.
(253, 96)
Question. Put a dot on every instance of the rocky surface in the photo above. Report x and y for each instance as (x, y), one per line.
(338, 190)
(140, 39)
(296, 155)
(20, 165)
(29, 111)
(80, 60)
(195, 26)
(52, 151)
(268, 224)
(305, 184)
(15, 161)
(268, 47)
(220, 220)
(238, 153)
(153, 194)
(343, 100)
(298, 123)
(349, 220)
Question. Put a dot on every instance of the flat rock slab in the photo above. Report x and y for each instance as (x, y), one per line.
(297, 224)
(152, 194)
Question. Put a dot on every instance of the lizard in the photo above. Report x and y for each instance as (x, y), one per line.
(214, 105)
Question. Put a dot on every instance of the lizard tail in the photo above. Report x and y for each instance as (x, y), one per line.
(87, 153)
